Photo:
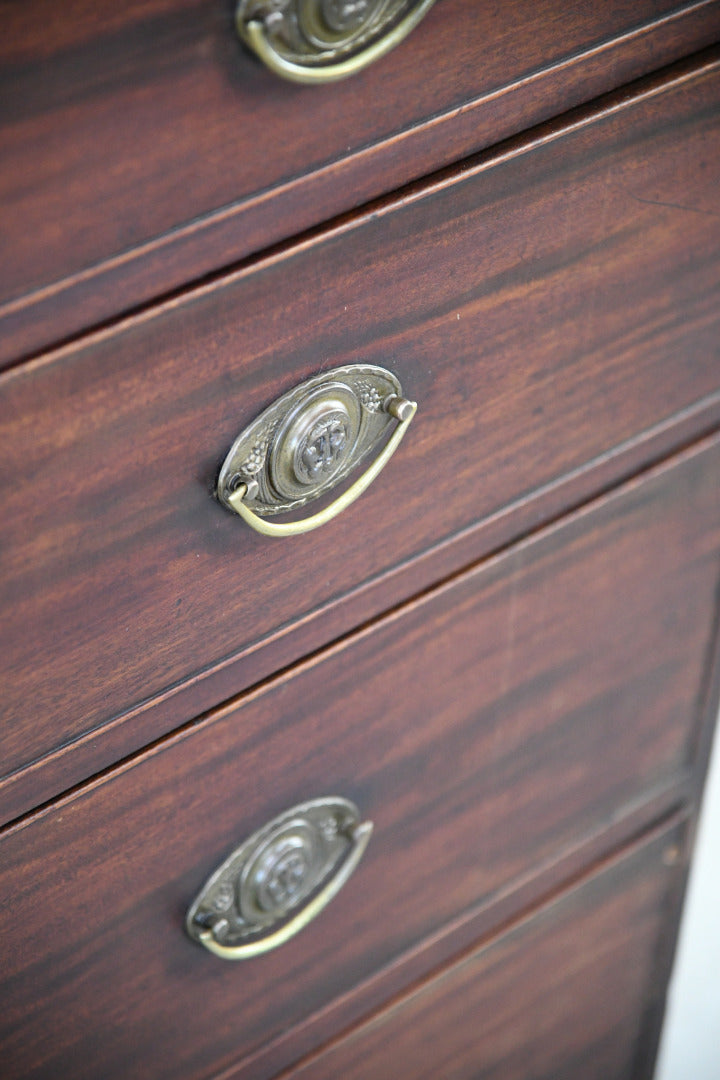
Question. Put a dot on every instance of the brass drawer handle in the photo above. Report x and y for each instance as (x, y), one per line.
(297, 863)
(308, 441)
(320, 41)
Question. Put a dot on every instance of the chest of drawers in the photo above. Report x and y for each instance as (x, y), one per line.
(504, 653)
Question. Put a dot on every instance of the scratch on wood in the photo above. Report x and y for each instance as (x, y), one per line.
(669, 205)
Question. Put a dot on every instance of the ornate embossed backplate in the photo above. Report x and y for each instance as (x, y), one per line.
(273, 873)
(310, 439)
(320, 29)
(321, 40)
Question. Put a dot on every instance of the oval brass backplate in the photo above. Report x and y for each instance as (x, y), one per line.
(320, 41)
(278, 879)
(310, 439)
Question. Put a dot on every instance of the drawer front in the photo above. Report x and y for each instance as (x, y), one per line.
(544, 309)
(165, 151)
(568, 994)
(487, 730)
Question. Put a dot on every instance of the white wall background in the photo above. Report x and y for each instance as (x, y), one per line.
(690, 1044)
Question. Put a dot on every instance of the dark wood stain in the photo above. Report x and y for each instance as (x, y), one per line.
(487, 729)
(568, 292)
(507, 653)
(131, 133)
(479, 925)
(560, 996)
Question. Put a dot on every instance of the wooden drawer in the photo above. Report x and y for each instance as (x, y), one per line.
(145, 149)
(539, 708)
(553, 309)
(571, 993)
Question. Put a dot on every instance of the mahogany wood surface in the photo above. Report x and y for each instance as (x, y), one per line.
(486, 728)
(545, 306)
(101, 747)
(565, 995)
(144, 149)
(464, 933)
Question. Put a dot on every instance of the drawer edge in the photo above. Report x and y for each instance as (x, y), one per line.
(215, 243)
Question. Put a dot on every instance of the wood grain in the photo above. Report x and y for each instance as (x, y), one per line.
(562, 996)
(544, 308)
(126, 131)
(486, 729)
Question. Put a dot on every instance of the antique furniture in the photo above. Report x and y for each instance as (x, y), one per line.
(410, 793)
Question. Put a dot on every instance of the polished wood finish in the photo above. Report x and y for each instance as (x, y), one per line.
(507, 653)
(488, 729)
(132, 132)
(112, 446)
(578, 979)
(461, 935)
